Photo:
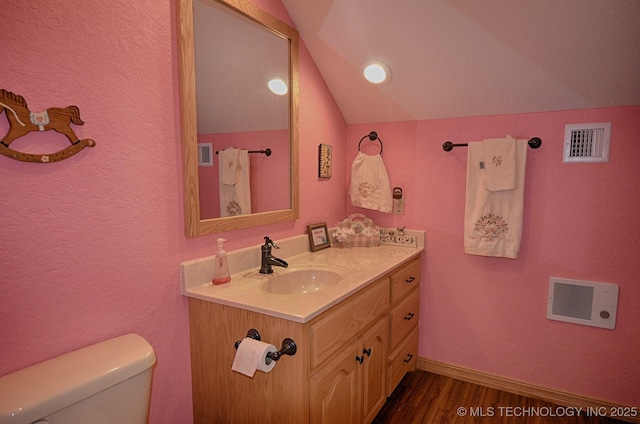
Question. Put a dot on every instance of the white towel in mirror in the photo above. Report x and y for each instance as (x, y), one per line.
(229, 169)
(235, 199)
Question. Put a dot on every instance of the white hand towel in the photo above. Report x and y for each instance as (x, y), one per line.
(229, 169)
(236, 199)
(493, 219)
(499, 158)
(370, 187)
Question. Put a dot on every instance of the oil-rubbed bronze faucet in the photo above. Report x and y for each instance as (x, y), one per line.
(267, 260)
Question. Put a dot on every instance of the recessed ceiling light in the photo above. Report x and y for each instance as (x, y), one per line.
(377, 72)
(278, 86)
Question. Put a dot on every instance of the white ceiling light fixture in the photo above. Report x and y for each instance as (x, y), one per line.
(377, 72)
(278, 86)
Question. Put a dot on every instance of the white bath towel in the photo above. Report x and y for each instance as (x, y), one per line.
(370, 187)
(235, 199)
(229, 169)
(499, 157)
(493, 219)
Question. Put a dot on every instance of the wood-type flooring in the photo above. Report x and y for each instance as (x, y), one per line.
(426, 398)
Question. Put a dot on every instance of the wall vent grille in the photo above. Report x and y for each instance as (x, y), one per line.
(587, 142)
(205, 157)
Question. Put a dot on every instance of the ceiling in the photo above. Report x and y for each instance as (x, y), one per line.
(457, 58)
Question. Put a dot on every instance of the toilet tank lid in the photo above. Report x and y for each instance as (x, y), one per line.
(47, 387)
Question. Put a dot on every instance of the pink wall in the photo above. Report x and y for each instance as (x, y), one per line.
(580, 221)
(91, 246)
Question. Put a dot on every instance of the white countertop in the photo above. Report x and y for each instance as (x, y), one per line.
(365, 265)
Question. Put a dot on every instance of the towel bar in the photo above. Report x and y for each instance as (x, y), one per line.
(534, 143)
(266, 152)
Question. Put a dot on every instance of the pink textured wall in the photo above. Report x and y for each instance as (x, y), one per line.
(580, 221)
(90, 247)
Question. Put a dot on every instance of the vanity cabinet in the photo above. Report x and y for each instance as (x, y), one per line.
(351, 387)
(348, 361)
(403, 322)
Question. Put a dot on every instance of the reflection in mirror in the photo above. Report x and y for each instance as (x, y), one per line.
(236, 109)
(229, 51)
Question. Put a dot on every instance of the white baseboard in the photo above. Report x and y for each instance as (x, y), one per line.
(525, 389)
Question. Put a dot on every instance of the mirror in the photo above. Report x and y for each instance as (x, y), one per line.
(228, 51)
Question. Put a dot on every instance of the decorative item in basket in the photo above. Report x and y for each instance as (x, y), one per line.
(357, 231)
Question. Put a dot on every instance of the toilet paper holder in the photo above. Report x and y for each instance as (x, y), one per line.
(288, 345)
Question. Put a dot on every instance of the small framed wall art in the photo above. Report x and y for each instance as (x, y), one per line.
(318, 236)
(324, 161)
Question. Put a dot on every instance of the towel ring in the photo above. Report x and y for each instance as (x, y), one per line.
(373, 136)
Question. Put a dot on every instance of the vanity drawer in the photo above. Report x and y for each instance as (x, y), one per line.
(347, 320)
(402, 360)
(403, 318)
(405, 279)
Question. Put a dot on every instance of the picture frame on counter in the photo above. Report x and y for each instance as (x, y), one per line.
(318, 236)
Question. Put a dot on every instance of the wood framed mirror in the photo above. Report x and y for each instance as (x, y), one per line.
(224, 50)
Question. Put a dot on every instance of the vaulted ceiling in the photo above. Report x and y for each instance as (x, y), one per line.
(455, 58)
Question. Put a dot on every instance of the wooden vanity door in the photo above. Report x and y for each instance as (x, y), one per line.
(374, 369)
(335, 389)
(351, 388)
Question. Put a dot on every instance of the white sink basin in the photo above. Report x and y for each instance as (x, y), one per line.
(301, 279)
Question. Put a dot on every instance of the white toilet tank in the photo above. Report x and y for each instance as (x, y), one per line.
(106, 383)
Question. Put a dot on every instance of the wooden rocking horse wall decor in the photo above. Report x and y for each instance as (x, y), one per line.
(22, 121)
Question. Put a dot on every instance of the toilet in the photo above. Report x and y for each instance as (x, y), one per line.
(105, 383)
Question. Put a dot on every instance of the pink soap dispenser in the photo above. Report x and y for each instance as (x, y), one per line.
(221, 267)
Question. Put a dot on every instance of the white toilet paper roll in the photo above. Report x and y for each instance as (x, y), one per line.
(252, 355)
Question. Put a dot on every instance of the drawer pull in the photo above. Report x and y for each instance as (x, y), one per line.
(366, 352)
(408, 317)
(408, 359)
(410, 280)
(359, 359)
